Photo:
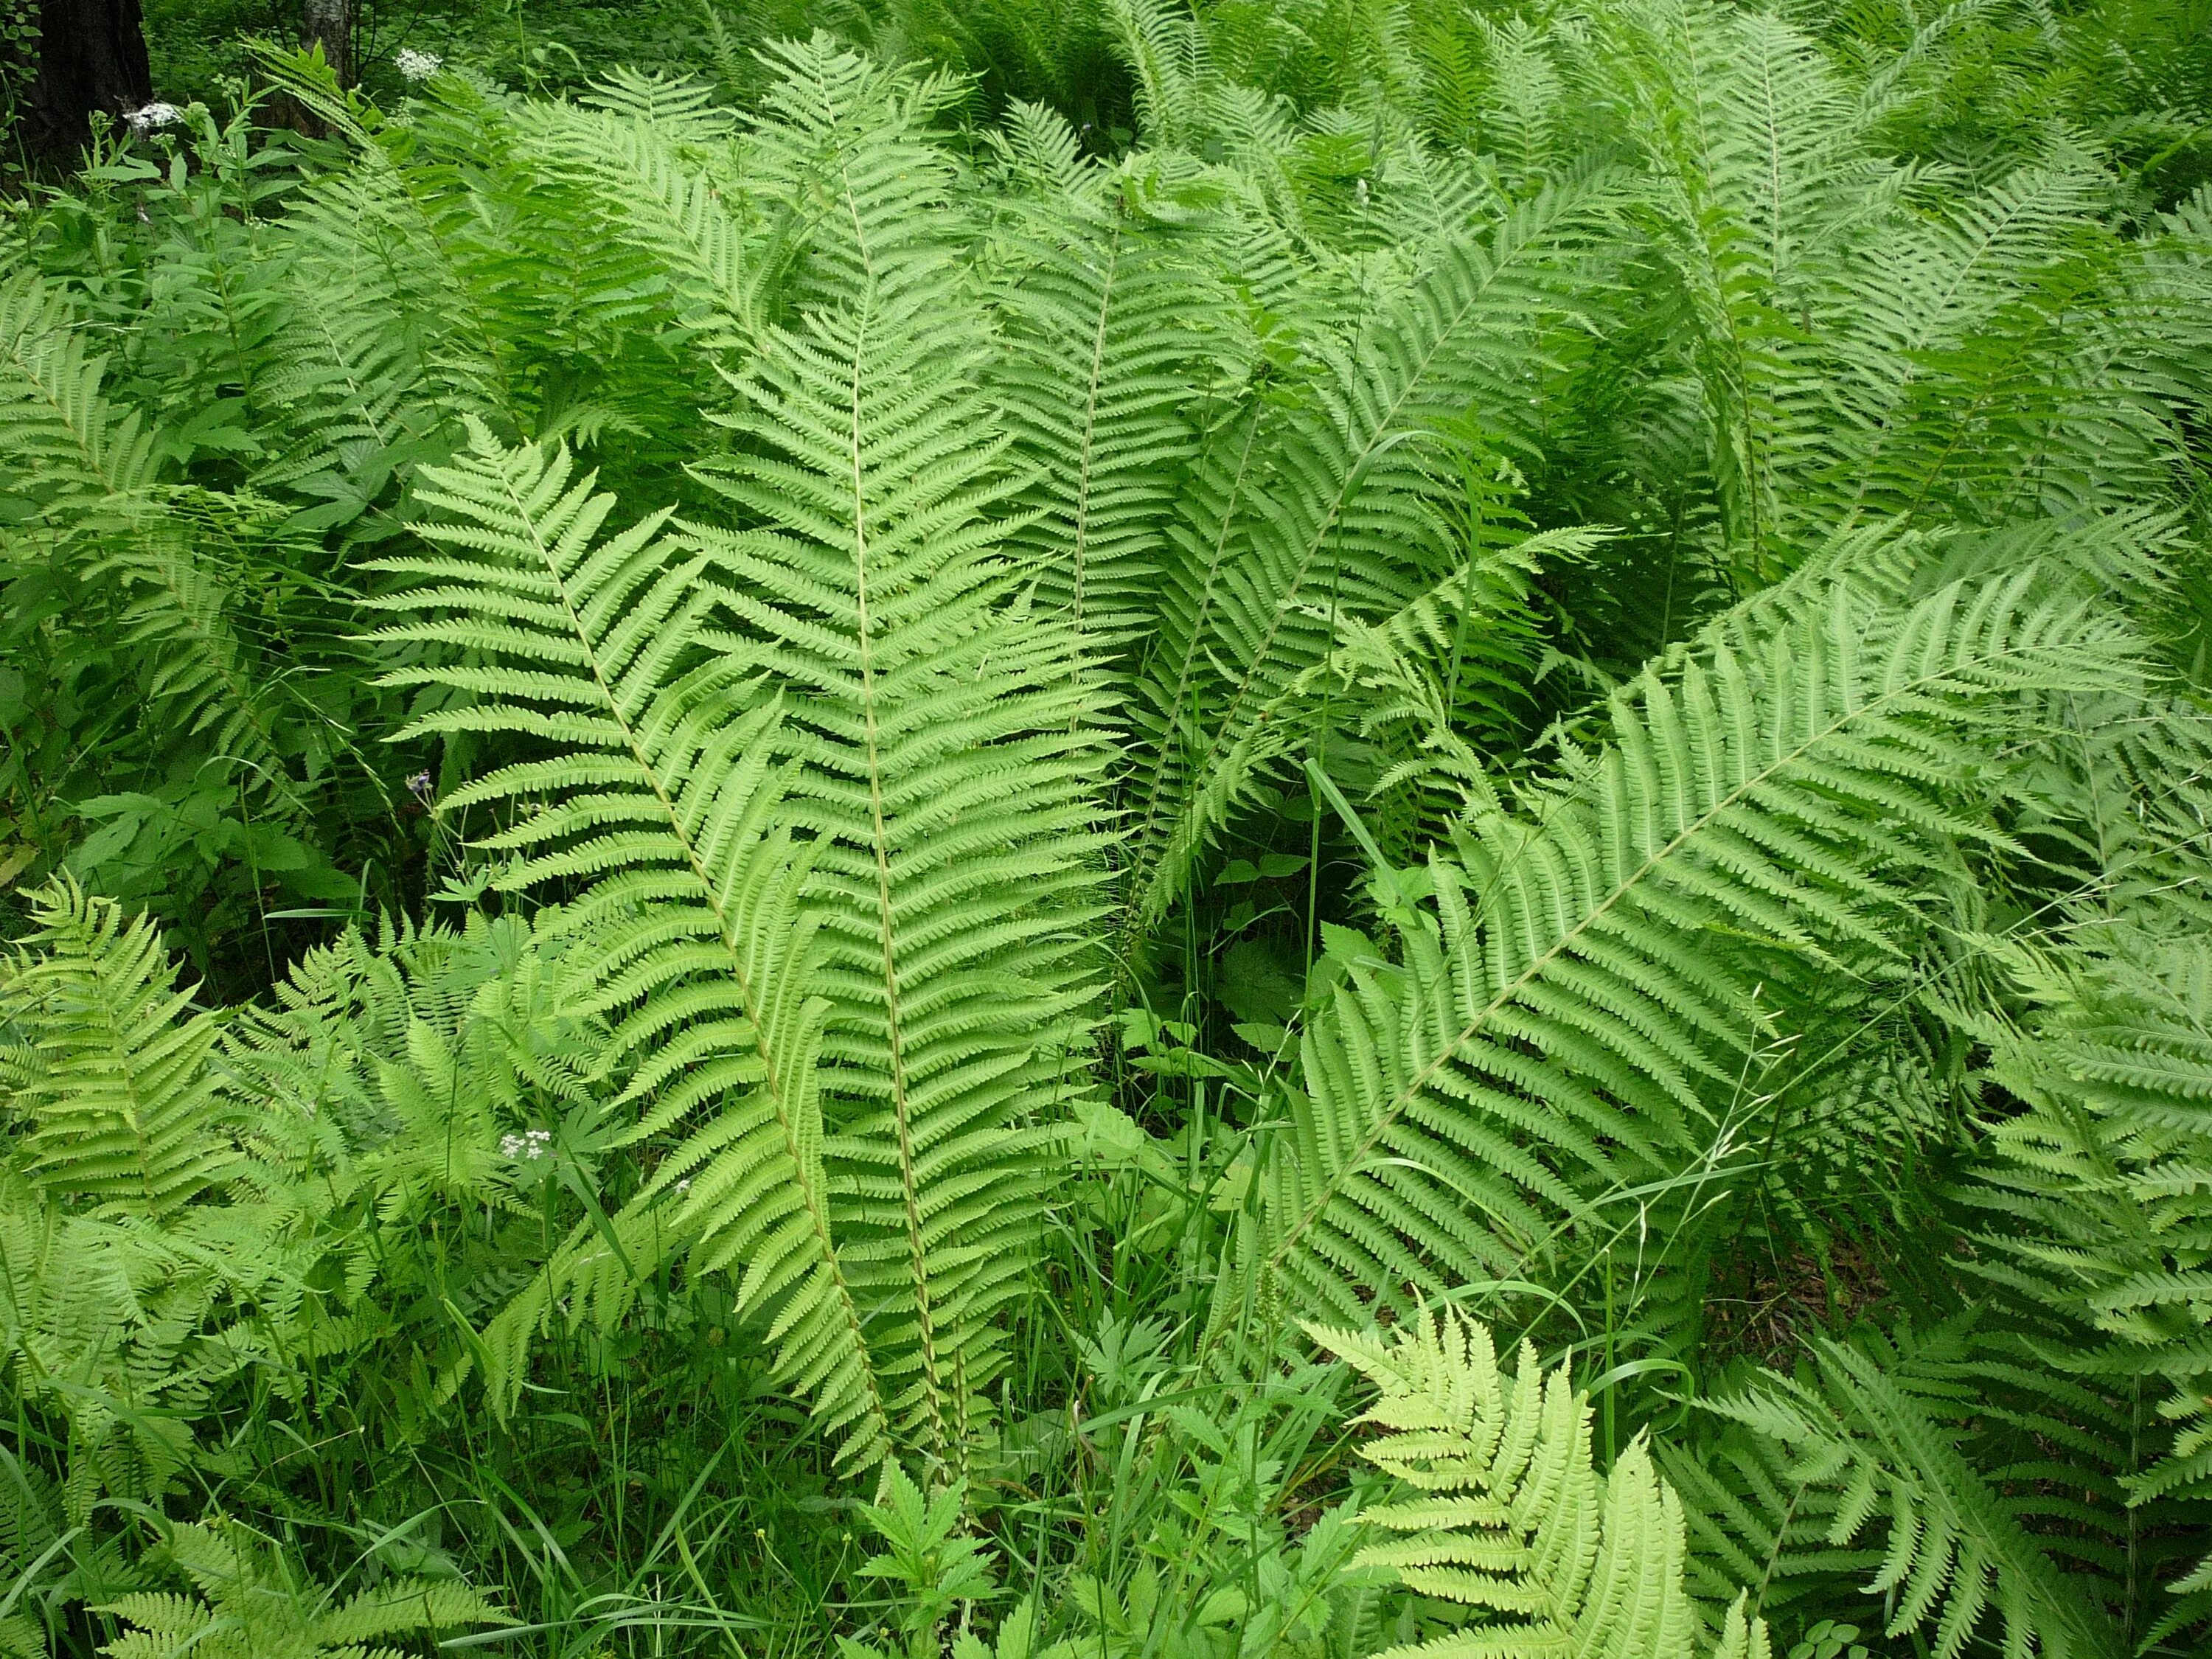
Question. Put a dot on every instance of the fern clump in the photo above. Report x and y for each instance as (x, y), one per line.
(875, 837)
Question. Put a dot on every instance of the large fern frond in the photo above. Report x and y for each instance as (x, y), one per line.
(1572, 1031)
(1108, 307)
(660, 805)
(942, 730)
(1328, 508)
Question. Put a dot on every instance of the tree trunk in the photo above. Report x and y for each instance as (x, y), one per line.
(330, 23)
(92, 55)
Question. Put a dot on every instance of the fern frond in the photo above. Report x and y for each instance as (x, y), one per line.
(1571, 1028)
(1752, 151)
(689, 217)
(854, 190)
(1108, 308)
(1924, 289)
(56, 421)
(1166, 48)
(112, 1074)
(1327, 512)
(1954, 1553)
(2095, 1222)
(941, 727)
(660, 801)
(251, 1603)
(1512, 1519)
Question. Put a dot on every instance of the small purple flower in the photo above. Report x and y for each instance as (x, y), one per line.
(419, 786)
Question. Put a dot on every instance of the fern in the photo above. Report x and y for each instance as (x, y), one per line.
(132, 1294)
(1107, 305)
(1511, 1518)
(852, 188)
(945, 1027)
(166, 559)
(116, 1087)
(1749, 137)
(2092, 1201)
(946, 1014)
(1172, 58)
(658, 178)
(1565, 1031)
(1879, 1434)
(1057, 562)
(250, 1602)
(1930, 286)
(1277, 540)
(938, 724)
(665, 803)
(56, 420)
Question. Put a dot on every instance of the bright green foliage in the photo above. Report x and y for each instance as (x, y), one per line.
(1107, 304)
(1512, 1518)
(1768, 785)
(934, 1567)
(115, 1086)
(938, 723)
(98, 467)
(1294, 519)
(248, 1602)
(2095, 1195)
(671, 798)
(792, 851)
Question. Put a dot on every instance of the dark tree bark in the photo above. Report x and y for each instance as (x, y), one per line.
(330, 23)
(92, 55)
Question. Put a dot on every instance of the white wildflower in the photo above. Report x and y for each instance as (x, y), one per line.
(530, 1144)
(1360, 190)
(151, 117)
(415, 65)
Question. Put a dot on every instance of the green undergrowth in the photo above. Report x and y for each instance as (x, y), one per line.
(1083, 829)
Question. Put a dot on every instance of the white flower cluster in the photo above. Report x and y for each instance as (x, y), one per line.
(415, 65)
(151, 117)
(531, 1143)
